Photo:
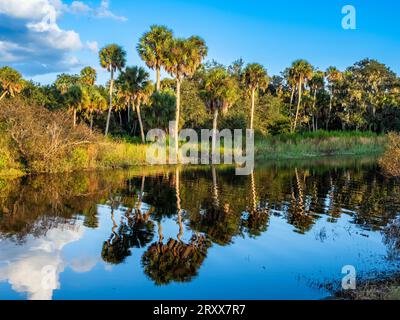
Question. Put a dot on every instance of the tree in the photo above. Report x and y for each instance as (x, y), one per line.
(96, 103)
(254, 77)
(334, 76)
(220, 91)
(152, 48)
(88, 76)
(302, 71)
(292, 84)
(69, 87)
(65, 81)
(135, 84)
(112, 58)
(316, 83)
(375, 85)
(11, 82)
(160, 109)
(184, 57)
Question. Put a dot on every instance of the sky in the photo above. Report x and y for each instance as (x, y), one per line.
(41, 38)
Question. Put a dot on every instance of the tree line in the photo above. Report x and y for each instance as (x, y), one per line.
(199, 94)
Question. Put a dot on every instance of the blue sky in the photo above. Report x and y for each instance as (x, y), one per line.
(273, 33)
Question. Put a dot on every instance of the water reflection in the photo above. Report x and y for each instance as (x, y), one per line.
(39, 216)
(34, 266)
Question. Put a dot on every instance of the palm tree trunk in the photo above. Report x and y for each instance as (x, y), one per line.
(177, 115)
(110, 107)
(3, 95)
(329, 112)
(253, 93)
(160, 232)
(120, 119)
(214, 135)
(290, 106)
(74, 117)
(292, 96)
(91, 122)
(158, 83)
(215, 187)
(140, 123)
(129, 115)
(178, 202)
(313, 109)
(298, 105)
(254, 192)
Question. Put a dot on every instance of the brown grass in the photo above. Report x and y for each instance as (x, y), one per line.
(390, 162)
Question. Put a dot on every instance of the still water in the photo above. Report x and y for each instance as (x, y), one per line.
(285, 232)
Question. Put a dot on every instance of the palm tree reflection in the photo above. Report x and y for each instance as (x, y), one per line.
(175, 261)
(256, 219)
(136, 230)
(216, 219)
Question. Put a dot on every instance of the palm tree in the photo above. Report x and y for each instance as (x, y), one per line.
(112, 58)
(137, 88)
(65, 81)
(96, 103)
(333, 76)
(10, 81)
(77, 99)
(184, 57)
(88, 76)
(302, 72)
(152, 48)
(71, 91)
(220, 92)
(316, 83)
(292, 83)
(254, 77)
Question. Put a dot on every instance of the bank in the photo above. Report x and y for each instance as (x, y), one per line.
(115, 153)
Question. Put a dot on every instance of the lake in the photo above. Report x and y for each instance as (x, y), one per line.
(284, 232)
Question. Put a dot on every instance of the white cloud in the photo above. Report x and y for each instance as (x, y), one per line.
(32, 40)
(104, 12)
(35, 266)
(83, 264)
(27, 9)
(78, 7)
(92, 46)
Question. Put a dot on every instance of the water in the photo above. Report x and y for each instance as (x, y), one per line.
(284, 232)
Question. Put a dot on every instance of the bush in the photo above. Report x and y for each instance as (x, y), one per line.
(45, 141)
(390, 162)
(8, 163)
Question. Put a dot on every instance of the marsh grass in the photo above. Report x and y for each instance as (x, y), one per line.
(320, 143)
(382, 288)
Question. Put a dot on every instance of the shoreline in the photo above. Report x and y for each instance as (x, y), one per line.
(125, 155)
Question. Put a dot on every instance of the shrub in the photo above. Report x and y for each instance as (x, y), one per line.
(390, 162)
(45, 141)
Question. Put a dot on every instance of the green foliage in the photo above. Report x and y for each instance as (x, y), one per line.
(194, 110)
(88, 76)
(160, 109)
(255, 77)
(112, 57)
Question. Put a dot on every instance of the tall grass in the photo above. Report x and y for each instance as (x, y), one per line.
(320, 143)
